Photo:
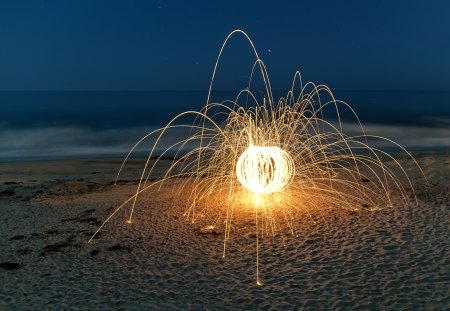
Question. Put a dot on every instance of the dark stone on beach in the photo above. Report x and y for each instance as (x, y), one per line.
(9, 265)
(10, 183)
(310, 241)
(80, 179)
(119, 247)
(95, 252)
(87, 212)
(57, 246)
(7, 193)
(16, 237)
(51, 232)
(52, 248)
(35, 235)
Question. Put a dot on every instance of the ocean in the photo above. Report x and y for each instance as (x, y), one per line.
(59, 124)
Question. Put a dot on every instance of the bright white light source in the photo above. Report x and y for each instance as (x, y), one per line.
(265, 169)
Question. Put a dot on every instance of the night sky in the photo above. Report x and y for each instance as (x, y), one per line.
(172, 45)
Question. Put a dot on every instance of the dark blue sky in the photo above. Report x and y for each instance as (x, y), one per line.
(170, 45)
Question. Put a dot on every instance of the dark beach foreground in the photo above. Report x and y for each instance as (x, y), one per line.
(390, 259)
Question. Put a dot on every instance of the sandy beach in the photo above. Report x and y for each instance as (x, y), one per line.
(391, 260)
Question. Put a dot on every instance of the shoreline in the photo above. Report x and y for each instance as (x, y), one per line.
(143, 155)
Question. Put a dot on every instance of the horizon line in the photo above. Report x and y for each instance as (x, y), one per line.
(218, 90)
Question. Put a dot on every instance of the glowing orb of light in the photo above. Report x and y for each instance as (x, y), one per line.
(265, 170)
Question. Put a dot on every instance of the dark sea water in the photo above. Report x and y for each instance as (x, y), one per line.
(63, 123)
(118, 109)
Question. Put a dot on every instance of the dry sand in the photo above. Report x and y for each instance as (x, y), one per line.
(389, 260)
